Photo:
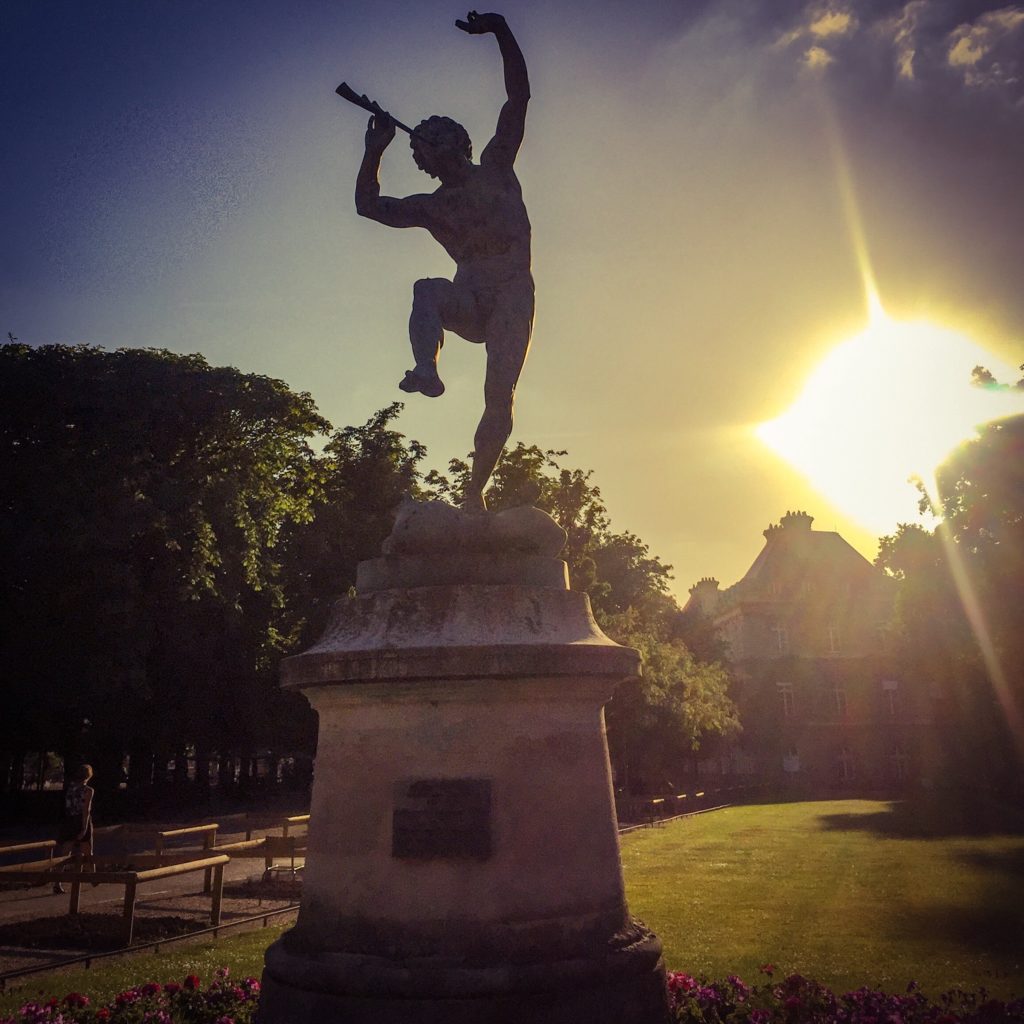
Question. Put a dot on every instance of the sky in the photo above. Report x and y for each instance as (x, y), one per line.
(801, 215)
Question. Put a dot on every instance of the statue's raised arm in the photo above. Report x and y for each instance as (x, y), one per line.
(512, 120)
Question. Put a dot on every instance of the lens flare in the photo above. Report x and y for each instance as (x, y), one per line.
(882, 407)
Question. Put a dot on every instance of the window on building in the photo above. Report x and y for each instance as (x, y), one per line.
(786, 696)
(846, 765)
(832, 636)
(891, 697)
(791, 761)
(839, 699)
(898, 762)
(781, 638)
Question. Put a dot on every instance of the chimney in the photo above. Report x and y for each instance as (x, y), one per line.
(796, 521)
(705, 594)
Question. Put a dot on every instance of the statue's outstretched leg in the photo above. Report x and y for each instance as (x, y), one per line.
(430, 296)
(508, 341)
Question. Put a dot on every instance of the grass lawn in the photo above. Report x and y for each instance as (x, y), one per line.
(849, 892)
(241, 953)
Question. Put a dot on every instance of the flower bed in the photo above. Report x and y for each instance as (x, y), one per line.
(221, 1002)
(792, 1000)
(799, 1000)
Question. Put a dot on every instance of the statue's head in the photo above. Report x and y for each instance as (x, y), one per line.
(440, 143)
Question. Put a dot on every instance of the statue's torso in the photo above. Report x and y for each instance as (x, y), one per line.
(483, 224)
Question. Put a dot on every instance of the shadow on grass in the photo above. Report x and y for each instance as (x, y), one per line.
(995, 927)
(933, 819)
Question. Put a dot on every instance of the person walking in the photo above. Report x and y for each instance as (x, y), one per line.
(76, 825)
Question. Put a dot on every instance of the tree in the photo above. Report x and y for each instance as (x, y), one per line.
(656, 722)
(960, 609)
(145, 494)
(363, 475)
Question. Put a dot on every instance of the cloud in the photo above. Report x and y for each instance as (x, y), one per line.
(816, 58)
(951, 48)
(832, 22)
(986, 51)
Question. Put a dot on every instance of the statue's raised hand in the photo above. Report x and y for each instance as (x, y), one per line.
(479, 24)
(380, 130)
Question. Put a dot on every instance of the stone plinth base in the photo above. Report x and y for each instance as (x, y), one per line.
(625, 984)
(463, 860)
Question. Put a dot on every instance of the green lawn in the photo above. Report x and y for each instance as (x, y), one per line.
(241, 953)
(850, 892)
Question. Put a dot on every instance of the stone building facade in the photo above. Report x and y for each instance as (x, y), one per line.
(821, 700)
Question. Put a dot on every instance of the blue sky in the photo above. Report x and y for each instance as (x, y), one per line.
(180, 175)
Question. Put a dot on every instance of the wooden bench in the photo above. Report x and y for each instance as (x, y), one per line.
(295, 819)
(268, 848)
(654, 809)
(285, 824)
(131, 880)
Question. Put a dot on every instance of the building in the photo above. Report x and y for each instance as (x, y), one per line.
(822, 704)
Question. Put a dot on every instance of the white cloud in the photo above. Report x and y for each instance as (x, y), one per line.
(987, 51)
(831, 22)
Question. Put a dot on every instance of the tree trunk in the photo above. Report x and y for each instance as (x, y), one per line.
(203, 771)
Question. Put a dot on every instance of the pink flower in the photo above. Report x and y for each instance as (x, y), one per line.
(768, 969)
(192, 982)
(680, 982)
(76, 999)
(102, 1013)
(151, 988)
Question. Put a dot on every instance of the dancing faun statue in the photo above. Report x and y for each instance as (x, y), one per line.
(478, 215)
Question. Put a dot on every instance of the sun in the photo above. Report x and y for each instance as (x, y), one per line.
(883, 406)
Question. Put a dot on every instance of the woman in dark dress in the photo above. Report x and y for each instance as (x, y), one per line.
(76, 825)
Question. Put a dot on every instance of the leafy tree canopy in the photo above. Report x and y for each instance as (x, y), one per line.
(960, 609)
(145, 494)
(654, 722)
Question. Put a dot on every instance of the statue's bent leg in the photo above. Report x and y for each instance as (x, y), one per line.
(508, 341)
(431, 298)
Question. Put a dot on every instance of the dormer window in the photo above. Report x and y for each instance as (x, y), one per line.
(839, 698)
(781, 638)
(846, 765)
(786, 696)
(891, 697)
(832, 639)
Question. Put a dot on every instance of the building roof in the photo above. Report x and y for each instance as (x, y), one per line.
(793, 555)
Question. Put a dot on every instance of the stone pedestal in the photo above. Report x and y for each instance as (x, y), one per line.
(463, 860)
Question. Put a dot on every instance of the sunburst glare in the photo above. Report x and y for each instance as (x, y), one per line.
(883, 406)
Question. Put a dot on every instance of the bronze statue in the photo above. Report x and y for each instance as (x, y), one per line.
(477, 214)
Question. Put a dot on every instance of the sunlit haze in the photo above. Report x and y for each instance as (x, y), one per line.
(180, 175)
(886, 405)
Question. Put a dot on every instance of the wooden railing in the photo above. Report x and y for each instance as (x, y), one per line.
(90, 869)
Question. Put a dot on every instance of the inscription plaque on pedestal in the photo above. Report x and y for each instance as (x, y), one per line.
(441, 818)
